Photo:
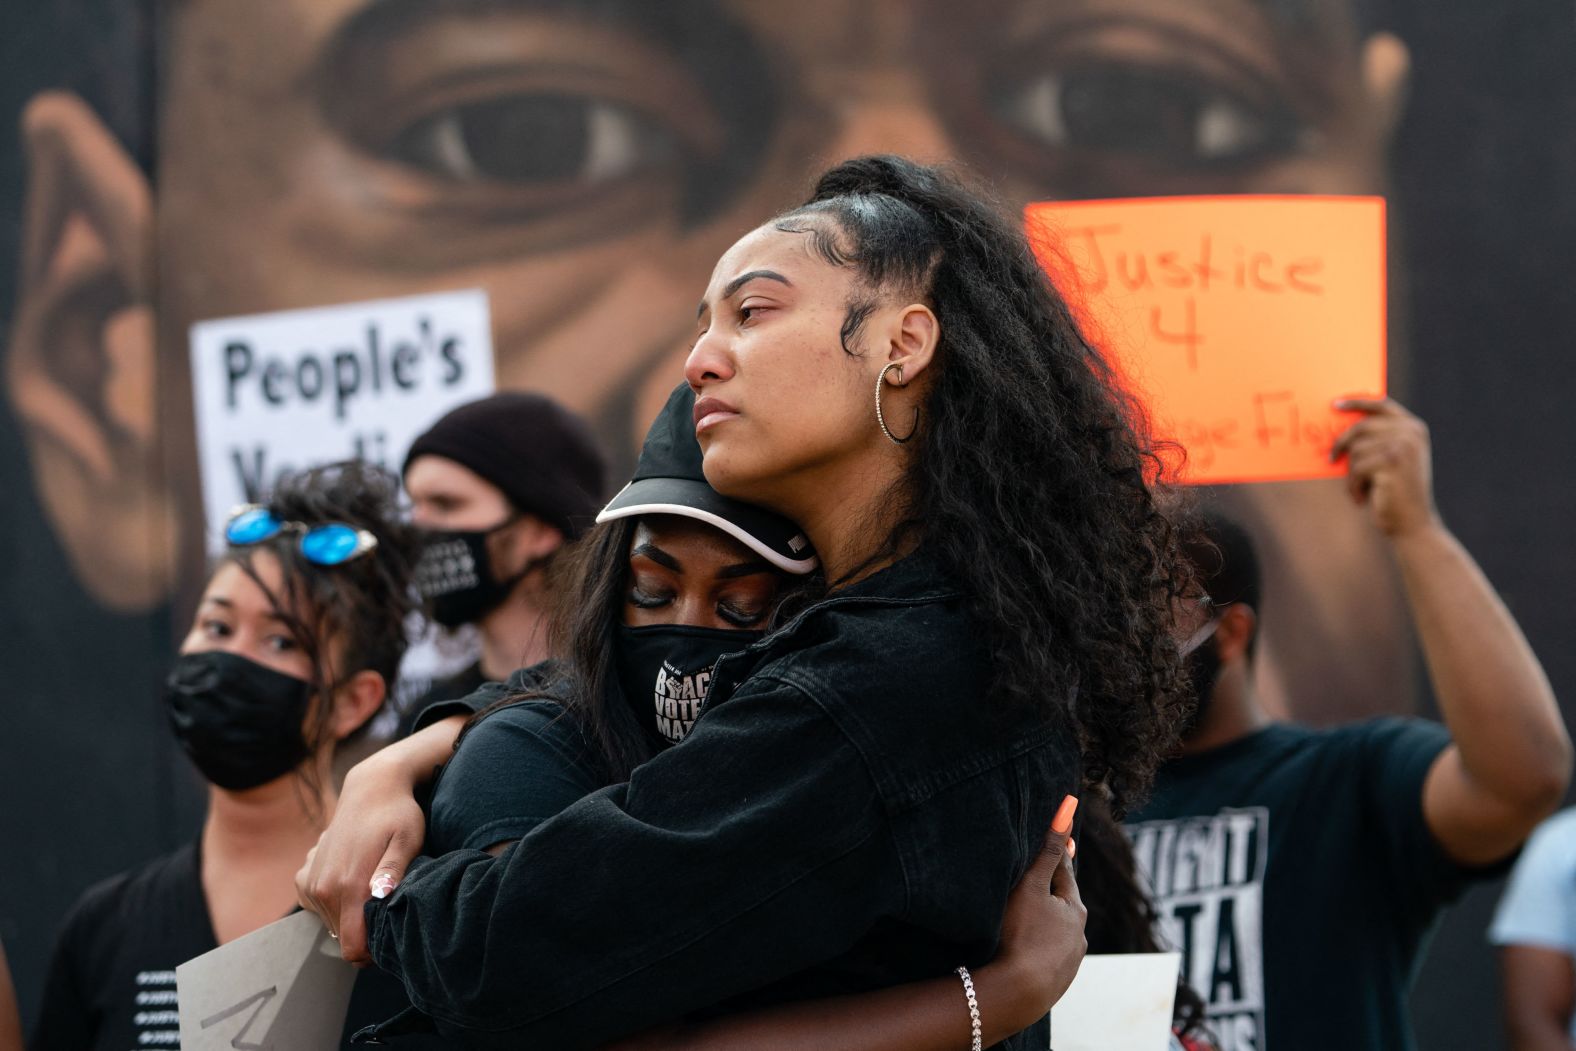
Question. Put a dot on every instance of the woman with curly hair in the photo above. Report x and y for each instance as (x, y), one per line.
(866, 783)
(292, 652)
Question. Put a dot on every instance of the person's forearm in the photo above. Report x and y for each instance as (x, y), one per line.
(417, 756)
(563, 919)
(1492, 691)
(920, 1016)
(566, 963)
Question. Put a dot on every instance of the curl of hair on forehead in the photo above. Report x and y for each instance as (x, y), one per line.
(895, 253)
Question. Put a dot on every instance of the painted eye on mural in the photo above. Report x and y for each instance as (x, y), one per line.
(1172, 117)
(535, 139)
(545, 124)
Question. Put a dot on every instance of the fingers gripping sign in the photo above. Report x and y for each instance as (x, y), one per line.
(1389, 464)
(363, 855)
(376, 831)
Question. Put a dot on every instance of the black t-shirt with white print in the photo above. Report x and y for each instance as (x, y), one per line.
(1296, 874)
(111, 982)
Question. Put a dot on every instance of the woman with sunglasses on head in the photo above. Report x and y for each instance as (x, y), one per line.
(672, 577)
(868, 781)
(292, 651)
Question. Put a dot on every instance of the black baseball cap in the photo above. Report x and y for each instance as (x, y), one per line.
(668, 481)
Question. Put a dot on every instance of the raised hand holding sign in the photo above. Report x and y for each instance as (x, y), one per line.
(1235, 320)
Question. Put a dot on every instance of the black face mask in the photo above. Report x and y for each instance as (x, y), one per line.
(664, 671)
(1203, 668)
(239, 721)
(455, 575)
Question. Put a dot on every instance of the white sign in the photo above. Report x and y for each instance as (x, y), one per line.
(1118, 1003)
(275, 392)
(300, 388)
(282, 986)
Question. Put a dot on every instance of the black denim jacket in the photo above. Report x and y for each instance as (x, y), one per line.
(847, 814)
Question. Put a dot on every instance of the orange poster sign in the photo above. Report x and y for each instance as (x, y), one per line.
(1237, 320)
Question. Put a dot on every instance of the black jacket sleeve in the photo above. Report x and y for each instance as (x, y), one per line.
(756, 849)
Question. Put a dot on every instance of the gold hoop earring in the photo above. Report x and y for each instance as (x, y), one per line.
(881, 417)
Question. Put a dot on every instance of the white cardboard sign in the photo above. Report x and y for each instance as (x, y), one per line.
(281, 987)
(304, 387)
(1118, 1003)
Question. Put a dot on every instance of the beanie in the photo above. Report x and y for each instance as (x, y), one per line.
(538, 453)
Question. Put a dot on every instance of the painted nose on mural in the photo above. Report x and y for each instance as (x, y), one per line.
(885, 111)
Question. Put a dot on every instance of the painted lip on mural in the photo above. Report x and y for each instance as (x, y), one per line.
(711, 411)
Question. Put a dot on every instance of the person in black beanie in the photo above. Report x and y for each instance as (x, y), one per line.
(499, 485)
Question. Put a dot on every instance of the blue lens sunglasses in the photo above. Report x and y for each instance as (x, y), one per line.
(328, 544)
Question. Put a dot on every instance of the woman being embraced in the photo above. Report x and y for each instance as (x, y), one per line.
(867, 782)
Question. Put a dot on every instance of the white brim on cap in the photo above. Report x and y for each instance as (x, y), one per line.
(769, 535)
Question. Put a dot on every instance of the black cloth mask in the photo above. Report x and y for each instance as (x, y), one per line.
(664, 671)
(239, 721)
(455, 575)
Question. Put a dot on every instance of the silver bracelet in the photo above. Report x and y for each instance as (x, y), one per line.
(974, 1008)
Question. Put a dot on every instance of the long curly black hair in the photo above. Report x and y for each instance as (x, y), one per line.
(1032, 476)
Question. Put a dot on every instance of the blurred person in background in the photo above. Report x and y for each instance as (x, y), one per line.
(299, 634)
(497, 487)
(1299, 871)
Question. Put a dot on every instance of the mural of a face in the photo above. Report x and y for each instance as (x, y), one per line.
(585, 163)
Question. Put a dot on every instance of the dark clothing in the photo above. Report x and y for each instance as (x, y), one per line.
(484, 695)
(849, 813)
(111, 983)
(461, 684)
(1297, 875)
(519, 766)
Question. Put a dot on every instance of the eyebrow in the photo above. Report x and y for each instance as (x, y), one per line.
(226, 604)
(659, 556)
(733, 572)
(743, 279)
(744, 569)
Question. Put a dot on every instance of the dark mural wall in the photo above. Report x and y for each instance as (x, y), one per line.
(90, 782)
(585, 163)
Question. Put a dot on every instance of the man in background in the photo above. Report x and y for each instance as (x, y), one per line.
(499, 485)
(1299, 871)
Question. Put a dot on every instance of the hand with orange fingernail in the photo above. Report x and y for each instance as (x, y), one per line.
(1042, 931)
